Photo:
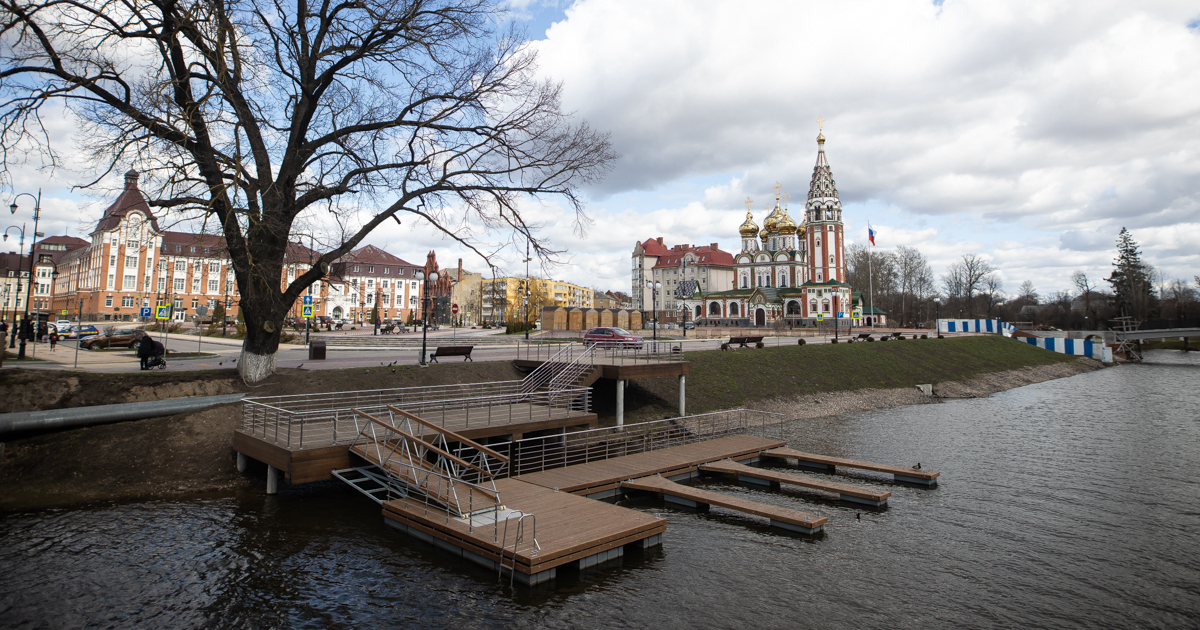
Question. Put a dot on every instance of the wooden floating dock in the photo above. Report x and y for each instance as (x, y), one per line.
(847, 492)
(830, 464)
(570, 530)
(781, 517)
(602, 479)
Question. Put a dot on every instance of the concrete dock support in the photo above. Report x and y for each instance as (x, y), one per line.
(682, 395)
(620, 403)
(272, 480)
(241, 462)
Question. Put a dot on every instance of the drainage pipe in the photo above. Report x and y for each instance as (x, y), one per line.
(102, 414)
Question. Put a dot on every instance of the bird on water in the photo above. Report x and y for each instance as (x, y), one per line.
(917, 467)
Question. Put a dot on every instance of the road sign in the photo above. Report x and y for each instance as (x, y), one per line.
(841, 314)
(308, 300)
(146, 311)
(454, 309)
(162, 312)
(820, 317)
(64, 311)
(307, 310)
(202, 310)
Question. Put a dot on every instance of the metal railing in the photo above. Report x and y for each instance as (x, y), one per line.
(551, 364)
(326, 419)
(580, 447)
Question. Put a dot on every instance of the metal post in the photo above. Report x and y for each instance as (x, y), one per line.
(620, 403)
(272, 480)
(682, 395)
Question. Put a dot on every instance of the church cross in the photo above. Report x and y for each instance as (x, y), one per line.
(748, 202)
(777, 189)
(820, 124)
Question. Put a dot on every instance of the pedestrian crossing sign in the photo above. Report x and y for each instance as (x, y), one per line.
(820, 317)
(307, 311)
(162, 312)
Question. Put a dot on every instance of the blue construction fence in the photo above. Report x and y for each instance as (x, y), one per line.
(1077, 347)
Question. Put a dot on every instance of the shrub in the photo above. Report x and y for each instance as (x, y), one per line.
(725, 346)
(871, 339)
(241, 329)
(834, 340)
(941, 337)
(760, 345)
(353, 328)
(800, 342)
(924, 336)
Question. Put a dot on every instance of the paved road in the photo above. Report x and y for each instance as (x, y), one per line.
(223, 353)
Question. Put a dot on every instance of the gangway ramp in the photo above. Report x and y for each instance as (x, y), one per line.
(781, 517)
(847, 492)
(830, 464)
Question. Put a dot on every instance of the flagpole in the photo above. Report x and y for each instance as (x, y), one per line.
(871, 277)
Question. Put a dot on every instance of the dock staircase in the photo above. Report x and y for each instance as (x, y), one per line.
(414, 459)
(571, 367)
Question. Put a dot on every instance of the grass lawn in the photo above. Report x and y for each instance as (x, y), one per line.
(721, 380)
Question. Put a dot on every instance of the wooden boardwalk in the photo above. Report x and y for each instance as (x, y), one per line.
(845, 491)
(569, 529)
(603, 477)
(785, 518)
(823, 462)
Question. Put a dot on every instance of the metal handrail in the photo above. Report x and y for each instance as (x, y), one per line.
(549, 368)
(580, 447)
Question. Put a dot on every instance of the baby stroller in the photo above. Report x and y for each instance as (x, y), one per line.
(152, 352)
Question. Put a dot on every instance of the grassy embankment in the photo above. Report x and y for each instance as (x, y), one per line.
(724, 380)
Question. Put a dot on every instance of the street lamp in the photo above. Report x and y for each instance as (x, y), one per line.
(433, 277)
(654, 287)
(683, 313)
(16, 294)
(37, 210)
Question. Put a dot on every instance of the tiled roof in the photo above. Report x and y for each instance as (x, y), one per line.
(705, 256)
(130, 199)
(654, 248)
(372, 255)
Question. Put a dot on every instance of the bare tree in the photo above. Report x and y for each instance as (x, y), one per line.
(1027, 293)
(1086, 289)
(910, 264)
(965, 277)
(993, 291)
(253, 116)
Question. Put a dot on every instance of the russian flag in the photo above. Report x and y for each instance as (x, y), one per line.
(871, 235)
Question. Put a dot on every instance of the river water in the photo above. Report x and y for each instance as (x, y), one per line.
(1068, 504)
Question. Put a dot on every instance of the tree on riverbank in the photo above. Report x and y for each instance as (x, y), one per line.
(259, 120)
(1133, 292)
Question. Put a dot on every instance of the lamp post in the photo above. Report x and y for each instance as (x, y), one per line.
(37, 210)
(12, 343)
(683, 313)
(433, 277)
(654, 287)
(526, 296)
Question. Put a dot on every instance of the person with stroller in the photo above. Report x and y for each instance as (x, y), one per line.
(150, 352)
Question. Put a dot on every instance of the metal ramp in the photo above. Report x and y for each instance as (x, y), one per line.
(372, 482)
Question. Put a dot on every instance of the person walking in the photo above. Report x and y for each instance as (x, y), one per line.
(53, 339)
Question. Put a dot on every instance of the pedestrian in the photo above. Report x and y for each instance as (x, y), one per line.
(145, 350)
(53, 339)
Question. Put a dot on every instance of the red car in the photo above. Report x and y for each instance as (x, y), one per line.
(611, 338)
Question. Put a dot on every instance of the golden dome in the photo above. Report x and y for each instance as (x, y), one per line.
(786, 225)
(771, 223)
(820, 137)
(749, 229)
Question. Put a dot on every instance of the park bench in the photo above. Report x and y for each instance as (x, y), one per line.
(452, 351)
(863, 336)
(742, 341)
(897, 335)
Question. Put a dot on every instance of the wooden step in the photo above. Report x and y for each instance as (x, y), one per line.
(911, 475)
(695, 497)
(847, 492)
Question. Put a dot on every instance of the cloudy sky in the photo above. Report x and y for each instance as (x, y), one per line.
(1027, 132)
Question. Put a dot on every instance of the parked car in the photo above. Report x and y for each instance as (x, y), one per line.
(75, 331)
(611, 338)
(689, 325)
(62, 325)
(114, 338)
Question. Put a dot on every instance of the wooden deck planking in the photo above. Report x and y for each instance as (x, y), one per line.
(568, 527)
(676, 459)
(664, 486)
(788, 453)
(730, 467)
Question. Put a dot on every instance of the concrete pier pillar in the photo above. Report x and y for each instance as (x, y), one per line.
(620, 403)
(241, 462)
(272, 480)
(682, 395)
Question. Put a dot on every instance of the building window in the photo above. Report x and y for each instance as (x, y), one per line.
(356, 267)
(130, 283)
(178, 285)
(195, 285)
(112, 260)
(130, 262)
(214, 267)
(180, 265)
(112, 281)
(383, 283)
(108, 301)
(162, 284)
(193, 249)
(195, 303)
(213, 286)
(178, 248)
(127, 301)
(387, 270)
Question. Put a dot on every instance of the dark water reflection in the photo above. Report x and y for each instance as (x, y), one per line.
(1072, 503)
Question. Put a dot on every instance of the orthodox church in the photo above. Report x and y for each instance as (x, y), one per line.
(786, 272)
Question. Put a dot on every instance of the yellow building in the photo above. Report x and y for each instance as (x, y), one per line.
(502, 297)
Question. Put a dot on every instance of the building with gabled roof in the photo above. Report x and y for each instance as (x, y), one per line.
(711, 268)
